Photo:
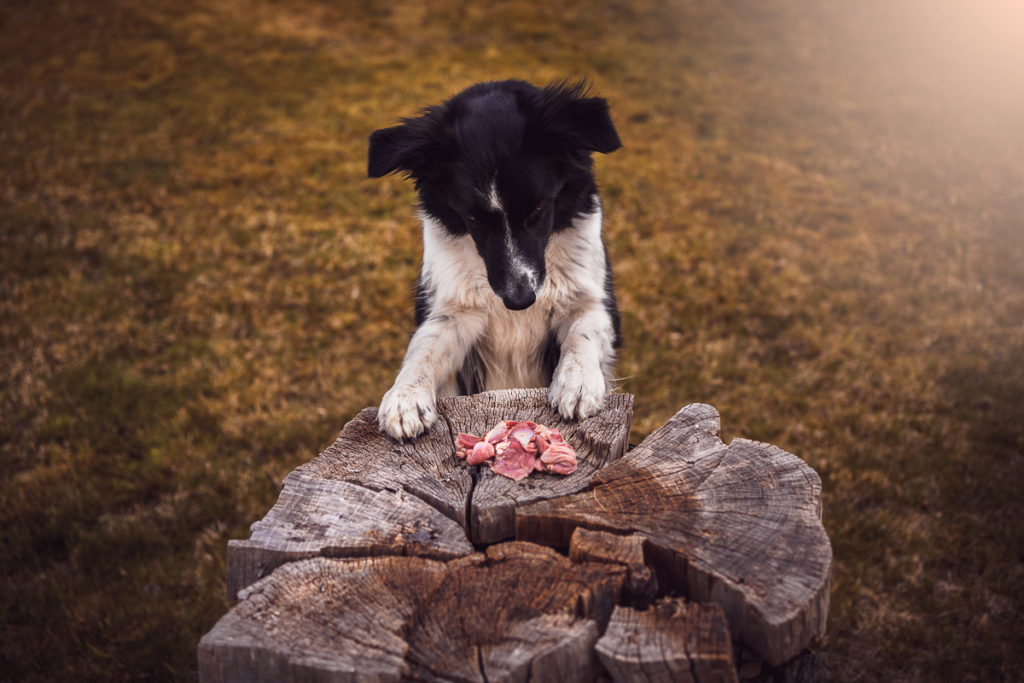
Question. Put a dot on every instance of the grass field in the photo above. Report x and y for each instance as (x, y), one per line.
(816, 224)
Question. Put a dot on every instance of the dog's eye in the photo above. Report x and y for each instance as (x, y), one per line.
(538, 210)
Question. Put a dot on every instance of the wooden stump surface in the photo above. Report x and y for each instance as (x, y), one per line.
(598, 441)
(675, 548)
(424, 468)
(641, 586)
(739, 525)
(367, 494)
(673, 642)
(516, 612)
(332, 518)
(321, 619)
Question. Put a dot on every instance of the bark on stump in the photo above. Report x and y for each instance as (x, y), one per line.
(373, 527)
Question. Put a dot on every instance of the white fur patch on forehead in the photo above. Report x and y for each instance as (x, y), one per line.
(493, 200)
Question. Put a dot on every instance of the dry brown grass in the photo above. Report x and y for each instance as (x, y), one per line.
(815, 225)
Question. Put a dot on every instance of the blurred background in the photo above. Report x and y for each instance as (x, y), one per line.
(816, 224)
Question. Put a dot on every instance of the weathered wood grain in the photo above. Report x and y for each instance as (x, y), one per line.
(369, 495)
(336, 518)
(739, 525)
(426, 467)
(641, 586)
(672, 642)
(321, 619)
(516, 612)
(598, 440)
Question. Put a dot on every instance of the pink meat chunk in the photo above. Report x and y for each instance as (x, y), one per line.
(515, 449)
(481, 451)
(500, 431)
(515, 462)
(464, 444)
(548, 434)
(525, 433)
(559, 458)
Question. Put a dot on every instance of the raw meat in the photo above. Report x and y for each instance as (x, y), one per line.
(515, 462)
(515, 449)
(559, 458)
(464, 444)
(481, 451)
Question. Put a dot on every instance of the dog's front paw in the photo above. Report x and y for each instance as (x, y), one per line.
(576, 391)
(406, 411)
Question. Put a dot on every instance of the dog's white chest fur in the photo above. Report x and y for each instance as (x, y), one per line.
(510, 343)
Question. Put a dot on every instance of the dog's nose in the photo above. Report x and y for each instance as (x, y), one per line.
(516, 298)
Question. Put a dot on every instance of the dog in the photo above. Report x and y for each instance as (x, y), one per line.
(516, 287)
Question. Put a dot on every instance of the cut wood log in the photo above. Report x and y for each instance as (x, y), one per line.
(331, 518)
(672, 642)
(321, 620)
(396, 591)
(598, 546)
(516, 612)
(426, 468)
(598, 440)
(739, 525)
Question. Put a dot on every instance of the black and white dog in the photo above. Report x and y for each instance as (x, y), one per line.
(516, 288)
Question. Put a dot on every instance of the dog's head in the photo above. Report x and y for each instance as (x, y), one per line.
(509, 164)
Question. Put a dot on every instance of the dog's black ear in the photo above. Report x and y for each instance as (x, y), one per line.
(390, 149)
(411, 147)
(592, 123)
(585, 121)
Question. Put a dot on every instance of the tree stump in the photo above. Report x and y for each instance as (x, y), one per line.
(331, 518)
(367, 494)
(739, 525)
(674, 642)
(366, 567)
(518, 611)
(641, 587)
